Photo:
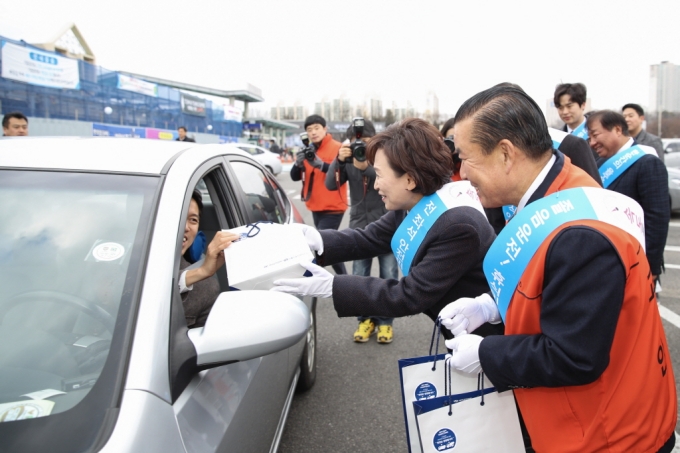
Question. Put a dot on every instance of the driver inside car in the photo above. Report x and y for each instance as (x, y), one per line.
(196, 286)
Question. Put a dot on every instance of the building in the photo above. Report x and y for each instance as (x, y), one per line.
(664, 87)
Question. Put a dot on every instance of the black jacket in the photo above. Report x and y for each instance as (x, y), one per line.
(447, 266)
(646, 182)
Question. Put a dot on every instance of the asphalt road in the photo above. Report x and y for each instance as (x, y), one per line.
(355, 404)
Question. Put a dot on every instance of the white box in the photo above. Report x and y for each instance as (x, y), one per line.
(271, 253)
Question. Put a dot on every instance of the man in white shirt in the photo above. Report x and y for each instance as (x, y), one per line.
(570, 101)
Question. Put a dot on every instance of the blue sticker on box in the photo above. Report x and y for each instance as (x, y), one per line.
(445, 439)
(425, 391)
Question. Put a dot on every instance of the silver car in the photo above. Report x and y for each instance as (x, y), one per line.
(95, 353)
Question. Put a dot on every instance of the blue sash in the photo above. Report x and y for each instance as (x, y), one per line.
(616, 165)
(517, 243)
(581, 131)
(509, 212)
(412, 231)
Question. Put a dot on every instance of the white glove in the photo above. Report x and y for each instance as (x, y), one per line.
(465, 353)
(320, 284)
(312, 236)
(466, 314)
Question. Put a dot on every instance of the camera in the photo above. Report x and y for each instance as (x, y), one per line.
(448, 141)
(309, 149)
(358, 147)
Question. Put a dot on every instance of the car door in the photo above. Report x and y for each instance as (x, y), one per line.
(235, 407)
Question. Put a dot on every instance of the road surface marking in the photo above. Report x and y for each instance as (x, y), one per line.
(669, 316)
(672, 248)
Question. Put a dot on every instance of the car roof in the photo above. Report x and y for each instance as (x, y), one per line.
(109, 154)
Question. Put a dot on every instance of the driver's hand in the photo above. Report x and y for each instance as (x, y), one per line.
(214, 257)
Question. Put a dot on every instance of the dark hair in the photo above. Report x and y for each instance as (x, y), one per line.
(506, 112)
(415, 146)
(182, 127)
(635, 107)
(609, 119)
(369, 130)
(314, 119)
(576, 91)
(198, 198)
(447, 125)
(16, 115)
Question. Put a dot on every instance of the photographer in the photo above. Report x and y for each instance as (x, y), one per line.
(311, 166)
(366, 207)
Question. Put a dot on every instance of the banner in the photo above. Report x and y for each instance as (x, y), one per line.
(106, 130)
(225, 139)
(160, 134)
(192, 105)
(232, 113)
(29, 65)
(137, 85)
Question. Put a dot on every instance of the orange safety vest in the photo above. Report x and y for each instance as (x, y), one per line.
(632, 406)
(322, 199)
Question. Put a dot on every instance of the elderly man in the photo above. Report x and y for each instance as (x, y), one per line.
(635, 172)
(584, 347)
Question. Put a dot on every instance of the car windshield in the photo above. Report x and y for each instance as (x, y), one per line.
(70, 246)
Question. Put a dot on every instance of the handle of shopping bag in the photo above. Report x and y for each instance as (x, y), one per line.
(435, 331)
(448, 389)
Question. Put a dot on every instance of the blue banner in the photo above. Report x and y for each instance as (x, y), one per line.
(517, 243)
(412, 231)
(226, 139)
(581, 131)
(107, 130)
(616, 165)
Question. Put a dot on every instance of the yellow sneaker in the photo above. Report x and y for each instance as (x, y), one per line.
(364, 331)
(385, 334)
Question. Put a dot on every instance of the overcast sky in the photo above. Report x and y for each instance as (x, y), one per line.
(393, 49)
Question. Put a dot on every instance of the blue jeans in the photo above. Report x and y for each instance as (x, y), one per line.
(388, 269)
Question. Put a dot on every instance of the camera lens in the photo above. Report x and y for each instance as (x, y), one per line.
(360, 153)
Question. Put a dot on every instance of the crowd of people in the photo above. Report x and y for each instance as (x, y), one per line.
(538, 250)
(544, 278)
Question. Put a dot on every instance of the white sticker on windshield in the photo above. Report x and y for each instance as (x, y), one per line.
(23, 410)
(43, 394)
(108, 251)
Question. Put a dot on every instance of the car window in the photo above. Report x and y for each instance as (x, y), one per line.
(70, 250)
(263, 203)
(251, 150)
(673, 147)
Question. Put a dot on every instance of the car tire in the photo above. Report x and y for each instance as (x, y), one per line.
(308, 360)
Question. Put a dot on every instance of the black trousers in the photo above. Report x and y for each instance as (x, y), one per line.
(327, 221)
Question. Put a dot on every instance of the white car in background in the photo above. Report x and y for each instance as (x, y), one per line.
(268, 159)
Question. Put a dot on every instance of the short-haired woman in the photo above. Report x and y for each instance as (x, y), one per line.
(436, 228)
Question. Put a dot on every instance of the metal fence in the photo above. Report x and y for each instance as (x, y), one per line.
(98, 99)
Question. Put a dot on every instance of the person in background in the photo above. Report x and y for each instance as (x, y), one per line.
(327, 206)
(635, 117)
(273, 147)
(641, 176)
(183, 137)
(367, 207)
(14, 124)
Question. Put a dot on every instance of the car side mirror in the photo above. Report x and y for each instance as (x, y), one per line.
(243, 325)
